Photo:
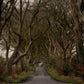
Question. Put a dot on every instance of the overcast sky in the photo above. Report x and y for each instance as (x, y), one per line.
(18, 4)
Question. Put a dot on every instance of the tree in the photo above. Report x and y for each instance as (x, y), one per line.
(14, 58)
(6, 10)
(79, 21)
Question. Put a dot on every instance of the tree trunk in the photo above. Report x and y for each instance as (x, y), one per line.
(22, 64)
(65, 59)
(16, 66)
(28, 60)
(10, 61)
(9, 68)
(79, 29)
(80, 51)
(14, 55)
(1, 2)
(7, 52)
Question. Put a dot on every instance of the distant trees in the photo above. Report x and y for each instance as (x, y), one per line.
(59, 27)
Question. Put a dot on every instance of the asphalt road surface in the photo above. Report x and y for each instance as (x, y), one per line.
(41, 77)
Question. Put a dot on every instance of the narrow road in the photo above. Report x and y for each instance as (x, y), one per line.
(41, 77)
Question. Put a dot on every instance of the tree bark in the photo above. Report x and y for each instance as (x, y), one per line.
(16, 67)
(28, 62)
(80, 51)
(9, 68)
(65, 59)
(22, 64)
(1, 3)
(79, 26)
(10, 61)
(7, 52)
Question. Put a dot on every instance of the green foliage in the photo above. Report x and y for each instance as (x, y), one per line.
(16, 81)
(26, 74)
(18, 78)
(2, 69)
(52, 61)
(33, 68)
(67, 69)
(22, 76)
(59, 78)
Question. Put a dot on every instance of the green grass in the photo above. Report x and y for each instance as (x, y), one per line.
(33, 68)
(58, 78)
(17, 78)
(65, 78)
(22, 76)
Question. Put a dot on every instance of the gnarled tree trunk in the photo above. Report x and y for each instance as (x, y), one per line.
(79, 20)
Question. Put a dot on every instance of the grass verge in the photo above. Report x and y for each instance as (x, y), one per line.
(18, 78)
(68, 79)
(22, 76)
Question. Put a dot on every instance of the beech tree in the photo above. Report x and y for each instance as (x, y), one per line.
(41, 31)
(78, 16)
(6, 10)
(14, 58)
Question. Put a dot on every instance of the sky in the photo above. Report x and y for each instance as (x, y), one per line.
(3, 50)
(18, 4)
